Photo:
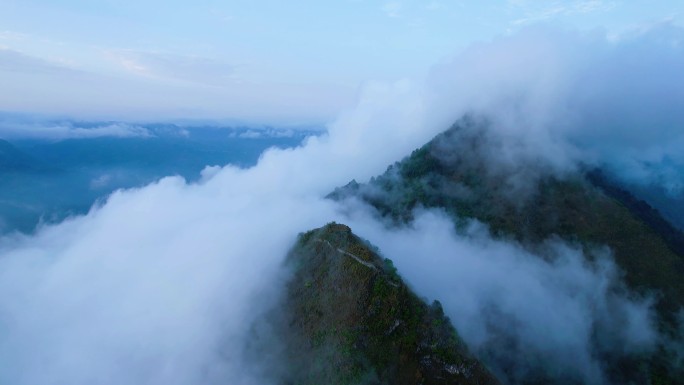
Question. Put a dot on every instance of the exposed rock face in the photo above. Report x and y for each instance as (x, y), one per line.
(350, 319)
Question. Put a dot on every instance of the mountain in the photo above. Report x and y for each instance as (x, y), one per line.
(156, 156)
(45, 181)
(528, 203)
(668, 202)
(575, 207)
(348, 318)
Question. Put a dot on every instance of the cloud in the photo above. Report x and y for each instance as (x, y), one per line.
(175, 87)
(160, 284)
(518, 310)
(13, 36)
(15, 61)
(100, 304)
(568, 98)
(542, 11)
(101, 181)
(21, 129)
(194, 69)
(265, 133)
(434, 6)
(392, 9)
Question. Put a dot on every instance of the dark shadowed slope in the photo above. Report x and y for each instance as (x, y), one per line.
(349, 319)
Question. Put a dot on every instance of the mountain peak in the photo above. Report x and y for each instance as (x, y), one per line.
(351, 319)
(530, 205)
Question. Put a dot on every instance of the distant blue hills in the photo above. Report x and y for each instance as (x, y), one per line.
(46, 176)
(14, 160)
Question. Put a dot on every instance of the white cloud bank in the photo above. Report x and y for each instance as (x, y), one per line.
(568, 97)
(16, 129)
(553, 311)
(159, 284)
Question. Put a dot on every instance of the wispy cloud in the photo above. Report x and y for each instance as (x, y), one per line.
(392, 9)
(12, 35)
(17, 129)
(534, 12)
(15, 61)
(434, 5)
(168, 66)
(221, 15)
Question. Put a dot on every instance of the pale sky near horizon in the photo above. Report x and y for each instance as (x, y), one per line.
(265, 60)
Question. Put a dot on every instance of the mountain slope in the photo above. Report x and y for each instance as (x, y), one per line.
(460, 171)
(442, 175)
(349, 319)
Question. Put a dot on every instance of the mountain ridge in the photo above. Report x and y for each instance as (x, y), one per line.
(528, 204)
(570, 207)
(348, 318)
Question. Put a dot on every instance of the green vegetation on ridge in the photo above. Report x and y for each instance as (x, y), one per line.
(351, 320)
(529, 204)
(569, 207)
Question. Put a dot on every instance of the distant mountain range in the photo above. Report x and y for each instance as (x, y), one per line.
(48, 178)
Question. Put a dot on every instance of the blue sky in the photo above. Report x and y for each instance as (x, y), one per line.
(259, 60)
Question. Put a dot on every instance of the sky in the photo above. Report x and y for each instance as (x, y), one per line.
(301, 61)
